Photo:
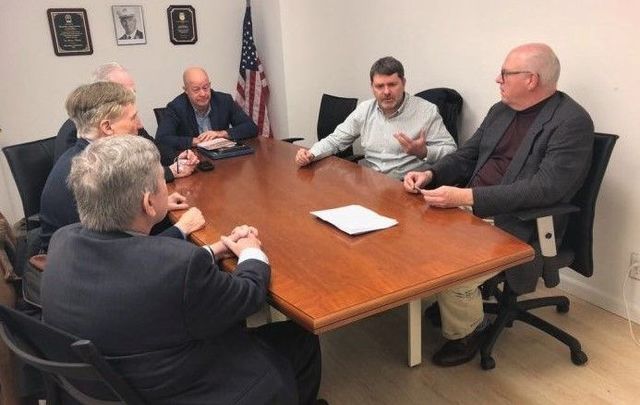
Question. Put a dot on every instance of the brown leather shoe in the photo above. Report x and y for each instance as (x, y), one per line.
(459, 351)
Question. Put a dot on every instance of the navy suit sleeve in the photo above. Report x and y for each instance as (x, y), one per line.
(169, 129)
(172, 232)
(242, 127)
(168, 174)
(214, 300)
(65, 139)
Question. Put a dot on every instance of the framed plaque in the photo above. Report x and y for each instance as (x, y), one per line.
(70, 31)
(182, 25)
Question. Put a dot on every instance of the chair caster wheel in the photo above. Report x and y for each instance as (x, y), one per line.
(487, 363)
(563, 308)
(579, 357)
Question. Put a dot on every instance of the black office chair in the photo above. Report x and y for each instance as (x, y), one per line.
(449, 103)
(333, 111)
(575, 252)
(30, 164)
(159, 113)
(63, 358)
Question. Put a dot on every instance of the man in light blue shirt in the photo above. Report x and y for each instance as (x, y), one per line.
(399, 132)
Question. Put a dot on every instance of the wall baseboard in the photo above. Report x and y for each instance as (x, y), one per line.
(586, 292)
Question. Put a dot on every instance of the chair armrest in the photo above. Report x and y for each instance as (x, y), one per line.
(558, 209)
(292, 140)
(544, 224)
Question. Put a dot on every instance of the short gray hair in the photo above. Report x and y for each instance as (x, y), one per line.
(91, 103)
(109, 178)
(544, 61)
(103, 72)
(386, 66)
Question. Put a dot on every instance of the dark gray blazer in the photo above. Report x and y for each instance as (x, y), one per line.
(165, 316)
(548, 168)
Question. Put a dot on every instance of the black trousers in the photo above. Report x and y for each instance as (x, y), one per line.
(296, 354)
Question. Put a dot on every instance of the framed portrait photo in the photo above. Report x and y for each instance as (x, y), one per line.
(70, 31)
(128, 23)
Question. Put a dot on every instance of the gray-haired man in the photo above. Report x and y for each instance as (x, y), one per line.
(98, 110)
(165, 315)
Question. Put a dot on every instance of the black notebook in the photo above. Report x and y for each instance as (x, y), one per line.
(226, 152)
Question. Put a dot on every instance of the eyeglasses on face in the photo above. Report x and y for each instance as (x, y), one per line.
(504, 73)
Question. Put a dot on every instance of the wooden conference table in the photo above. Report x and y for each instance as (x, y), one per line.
(323, 278)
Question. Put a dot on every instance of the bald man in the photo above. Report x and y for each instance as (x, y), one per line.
(201, 114)
(532, 150)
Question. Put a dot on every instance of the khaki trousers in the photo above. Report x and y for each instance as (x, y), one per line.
(461, 308)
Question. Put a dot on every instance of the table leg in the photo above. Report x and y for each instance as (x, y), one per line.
(415, 332)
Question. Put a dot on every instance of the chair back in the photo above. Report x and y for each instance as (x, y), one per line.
(578, 237)
(449, 103)
(159, 113)
(67, 362)
(30, 164)
(333, 111)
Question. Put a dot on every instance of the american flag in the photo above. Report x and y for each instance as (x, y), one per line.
(252, 91)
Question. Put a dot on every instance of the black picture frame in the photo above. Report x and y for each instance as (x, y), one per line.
(182, 25)
(70, 31)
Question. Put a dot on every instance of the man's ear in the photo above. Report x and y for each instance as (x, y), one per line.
(534, 81)
(105, 127)
(147, 205)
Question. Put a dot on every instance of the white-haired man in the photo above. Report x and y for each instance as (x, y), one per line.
(98, 110)
(114, 72)
(532, 150)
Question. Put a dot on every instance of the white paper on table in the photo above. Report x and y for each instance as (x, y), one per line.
(217, 143)
(355, 219)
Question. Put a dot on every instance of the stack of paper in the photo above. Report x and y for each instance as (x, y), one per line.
(355, 219)
(216, 143)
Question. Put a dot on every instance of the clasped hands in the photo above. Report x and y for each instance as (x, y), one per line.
(240, 238)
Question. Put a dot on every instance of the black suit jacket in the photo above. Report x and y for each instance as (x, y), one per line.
(137, 35)
(548, 168)
(57, 204)
(179, 126)
(165, 316)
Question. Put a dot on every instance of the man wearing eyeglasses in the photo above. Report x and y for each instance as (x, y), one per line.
(200, 114)
(532, 150)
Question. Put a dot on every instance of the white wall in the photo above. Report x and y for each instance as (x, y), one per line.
(309, 47)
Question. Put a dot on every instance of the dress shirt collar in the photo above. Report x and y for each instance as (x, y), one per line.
(198, 114)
